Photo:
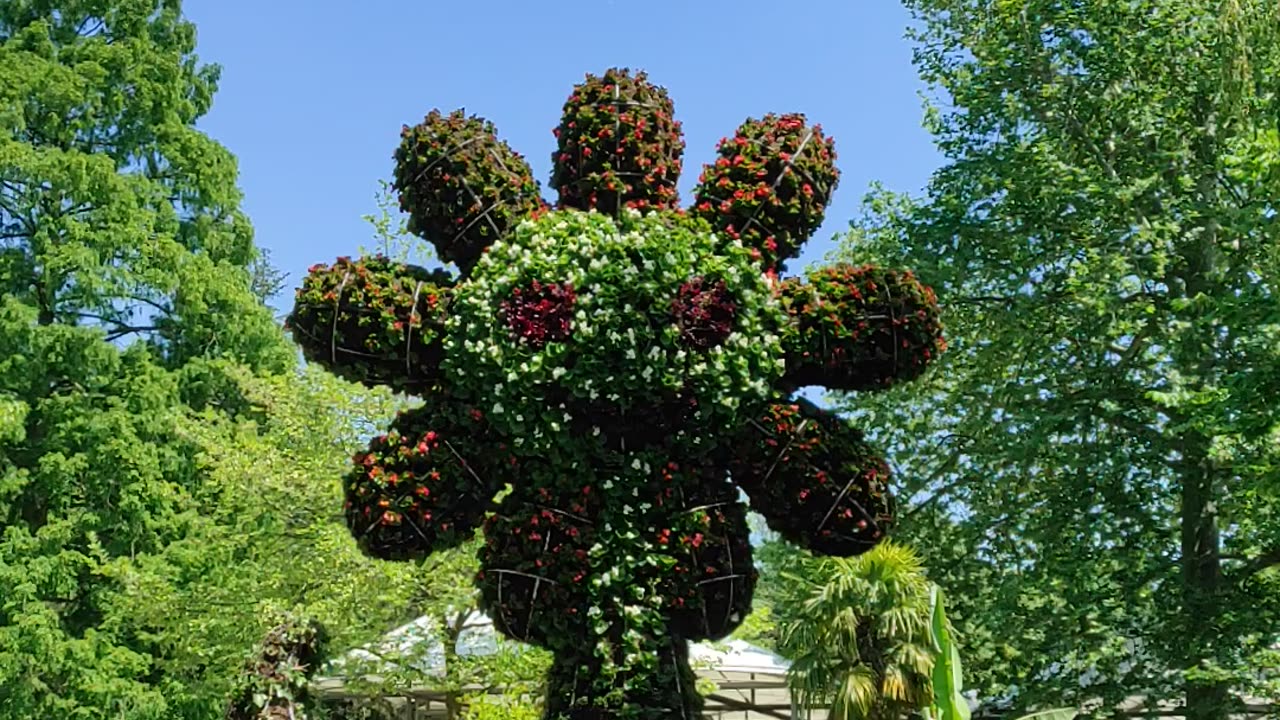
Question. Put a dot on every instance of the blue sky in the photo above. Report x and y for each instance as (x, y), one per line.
(313, 94)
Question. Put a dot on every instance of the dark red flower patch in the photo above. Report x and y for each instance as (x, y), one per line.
(540, 313)
(704, 313)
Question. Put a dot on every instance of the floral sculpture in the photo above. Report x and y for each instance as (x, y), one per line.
(602, 377)
(274, 683)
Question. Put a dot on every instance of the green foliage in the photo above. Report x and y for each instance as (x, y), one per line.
(624, 351)
(1094, 472)
(618, 145)
(391, 230)
(948, 702)
(127, 278)
(275, 682)
(165, 474)
(488, 707)
(265, 539)
(514, 670)
(858, 633)
(462, 187)
(770, 186)
(115, 212)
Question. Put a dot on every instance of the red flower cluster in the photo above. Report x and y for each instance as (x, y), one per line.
(373, 321)
(462, 187)
(425, 485)
(825, 489)
(770, 185)
(619, 145)
(860, 328)
(541, 313)
(708, 591)
(535, 570)
(704, 313)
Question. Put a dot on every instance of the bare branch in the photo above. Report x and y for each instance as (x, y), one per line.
(129, 330)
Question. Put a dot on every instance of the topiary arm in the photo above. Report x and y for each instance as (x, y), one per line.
(770, 186)
(618, 145)
(427, 483)
(463, 188)
(373, 321)
(814, 479)
(859, 328)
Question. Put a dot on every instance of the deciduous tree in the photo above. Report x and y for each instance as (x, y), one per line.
(1094, 463)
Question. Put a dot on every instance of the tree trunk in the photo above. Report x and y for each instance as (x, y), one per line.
(1201, 577)
(1196, 358)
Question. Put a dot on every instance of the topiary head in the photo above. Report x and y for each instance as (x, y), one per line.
(624, 331)
(615, 323)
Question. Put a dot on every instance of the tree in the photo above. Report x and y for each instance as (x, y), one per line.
(858, 634)
(267, 538)
(115, 212)
(124, 293)
(1094, 466)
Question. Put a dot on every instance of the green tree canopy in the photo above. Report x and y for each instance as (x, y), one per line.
(1093, 464)
(127, 310)
(115, 212)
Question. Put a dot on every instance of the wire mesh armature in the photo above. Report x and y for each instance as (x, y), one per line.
(373, 321)
(814, 479)
(618, 145)
(463, 188)
(426, 484)
(770, 185)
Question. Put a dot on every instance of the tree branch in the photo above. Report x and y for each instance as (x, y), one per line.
(1265, 561)
(152, 303)
(129, 330)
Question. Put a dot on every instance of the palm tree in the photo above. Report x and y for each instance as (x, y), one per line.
(857, 632)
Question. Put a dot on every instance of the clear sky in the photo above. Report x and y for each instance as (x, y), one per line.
(314, 93)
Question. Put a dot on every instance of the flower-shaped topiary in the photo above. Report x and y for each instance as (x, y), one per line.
(602, 379)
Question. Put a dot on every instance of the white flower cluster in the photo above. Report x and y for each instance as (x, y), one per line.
(624, 348)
